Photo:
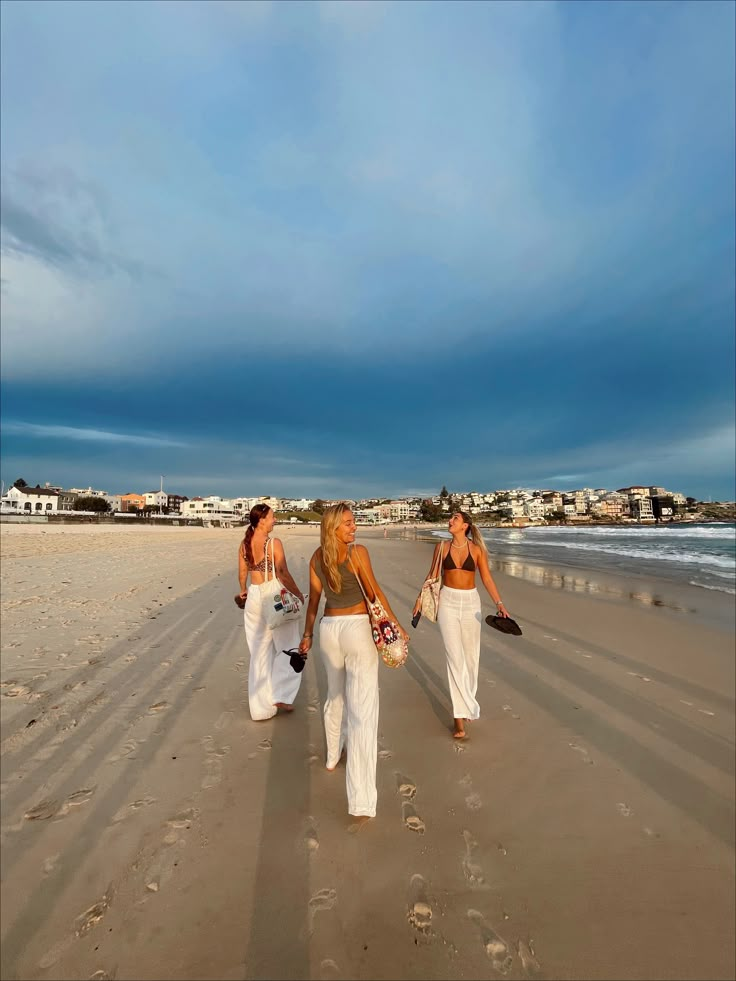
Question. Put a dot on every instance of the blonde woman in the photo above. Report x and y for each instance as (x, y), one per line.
(272, 682)
(459, 617)
(349, 654)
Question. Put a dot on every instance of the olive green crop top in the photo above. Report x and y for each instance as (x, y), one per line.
(351, 593)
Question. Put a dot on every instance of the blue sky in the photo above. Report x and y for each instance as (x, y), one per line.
(360, 249)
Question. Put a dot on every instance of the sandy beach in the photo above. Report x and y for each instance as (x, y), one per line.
(151, 830)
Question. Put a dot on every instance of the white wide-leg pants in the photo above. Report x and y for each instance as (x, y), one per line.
(271, 677)
(459, 622)
(351, 709)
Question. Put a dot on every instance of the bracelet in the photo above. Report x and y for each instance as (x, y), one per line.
(499, 602)
(307, 636)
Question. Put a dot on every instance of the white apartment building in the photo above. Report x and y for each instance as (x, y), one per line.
(367, 516)
(156, 499)
(399, 511)
(87, 492)
(115, 501)
(31, 500)
(534, 508)
(304, 504)
(641, 508)
(208, 507)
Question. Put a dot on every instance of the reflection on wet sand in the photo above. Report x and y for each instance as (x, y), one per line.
(543, 576)
(547, 576)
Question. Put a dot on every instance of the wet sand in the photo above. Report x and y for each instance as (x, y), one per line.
(151, 830)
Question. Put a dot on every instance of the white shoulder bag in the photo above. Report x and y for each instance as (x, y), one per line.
(279, 604)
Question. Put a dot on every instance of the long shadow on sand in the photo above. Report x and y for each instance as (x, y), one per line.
(278, 945)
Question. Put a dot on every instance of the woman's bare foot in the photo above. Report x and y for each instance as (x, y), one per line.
(459, 732)
(284, 706)
(357, 823)
(331, 769)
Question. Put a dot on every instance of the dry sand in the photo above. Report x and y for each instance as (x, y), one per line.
(151, 830)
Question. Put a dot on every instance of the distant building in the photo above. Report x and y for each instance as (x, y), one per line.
(175, 501)
(66, 500)
(32, 500)
(641, 508)
(132, 502)
(208, 507)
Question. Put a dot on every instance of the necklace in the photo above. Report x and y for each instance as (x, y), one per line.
(459, 546)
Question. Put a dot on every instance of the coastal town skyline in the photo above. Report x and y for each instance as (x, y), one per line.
(637, 502)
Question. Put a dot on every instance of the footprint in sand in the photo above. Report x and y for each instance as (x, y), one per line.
(126, 753)
(50, 863)
(43, 810)
(328, 970)
(583, 752)
(104, 975)
(405, 787)
(321, 901)
(183, 819)
(411, 819)
(213, 763)
(75, 799)
(471, 870)
(385, 754)
(584, 654)
(472, 800)
(641, 677)
(224, 720)
(135, 805)
(419, 913)
(92, 916)
(16, 691)
(497, 950)
(310, 839)
(624, 810)
(528, 958)
(550, 637)
(458, 747)
(706, 712)
(265, 744)
(507, 708)
(158, 707)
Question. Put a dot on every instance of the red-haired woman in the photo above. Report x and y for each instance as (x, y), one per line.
(272, 682)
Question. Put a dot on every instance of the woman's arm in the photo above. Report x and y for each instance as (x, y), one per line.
(242, 572)
(369, 579)
(315, 595)
(418, 604)
(282, 570)
(485, 575)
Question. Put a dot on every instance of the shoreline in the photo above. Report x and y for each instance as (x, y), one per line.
(705, 604)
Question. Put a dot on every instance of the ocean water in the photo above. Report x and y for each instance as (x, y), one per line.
(699, 554)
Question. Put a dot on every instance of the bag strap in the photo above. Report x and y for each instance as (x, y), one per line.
(438, 559)
(273, 561)
(357, 576)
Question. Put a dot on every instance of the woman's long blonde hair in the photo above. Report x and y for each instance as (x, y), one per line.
(331, 520)
(473, 531)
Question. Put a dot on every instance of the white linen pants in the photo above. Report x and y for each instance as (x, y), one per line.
(271, 677)
(459, 623)
(351, 709)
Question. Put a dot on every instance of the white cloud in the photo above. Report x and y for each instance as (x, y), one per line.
(35, 431)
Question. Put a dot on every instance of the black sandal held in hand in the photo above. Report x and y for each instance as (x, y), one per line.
(505, 624)
(296, 659)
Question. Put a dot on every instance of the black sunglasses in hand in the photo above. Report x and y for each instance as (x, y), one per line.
(296, 659)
